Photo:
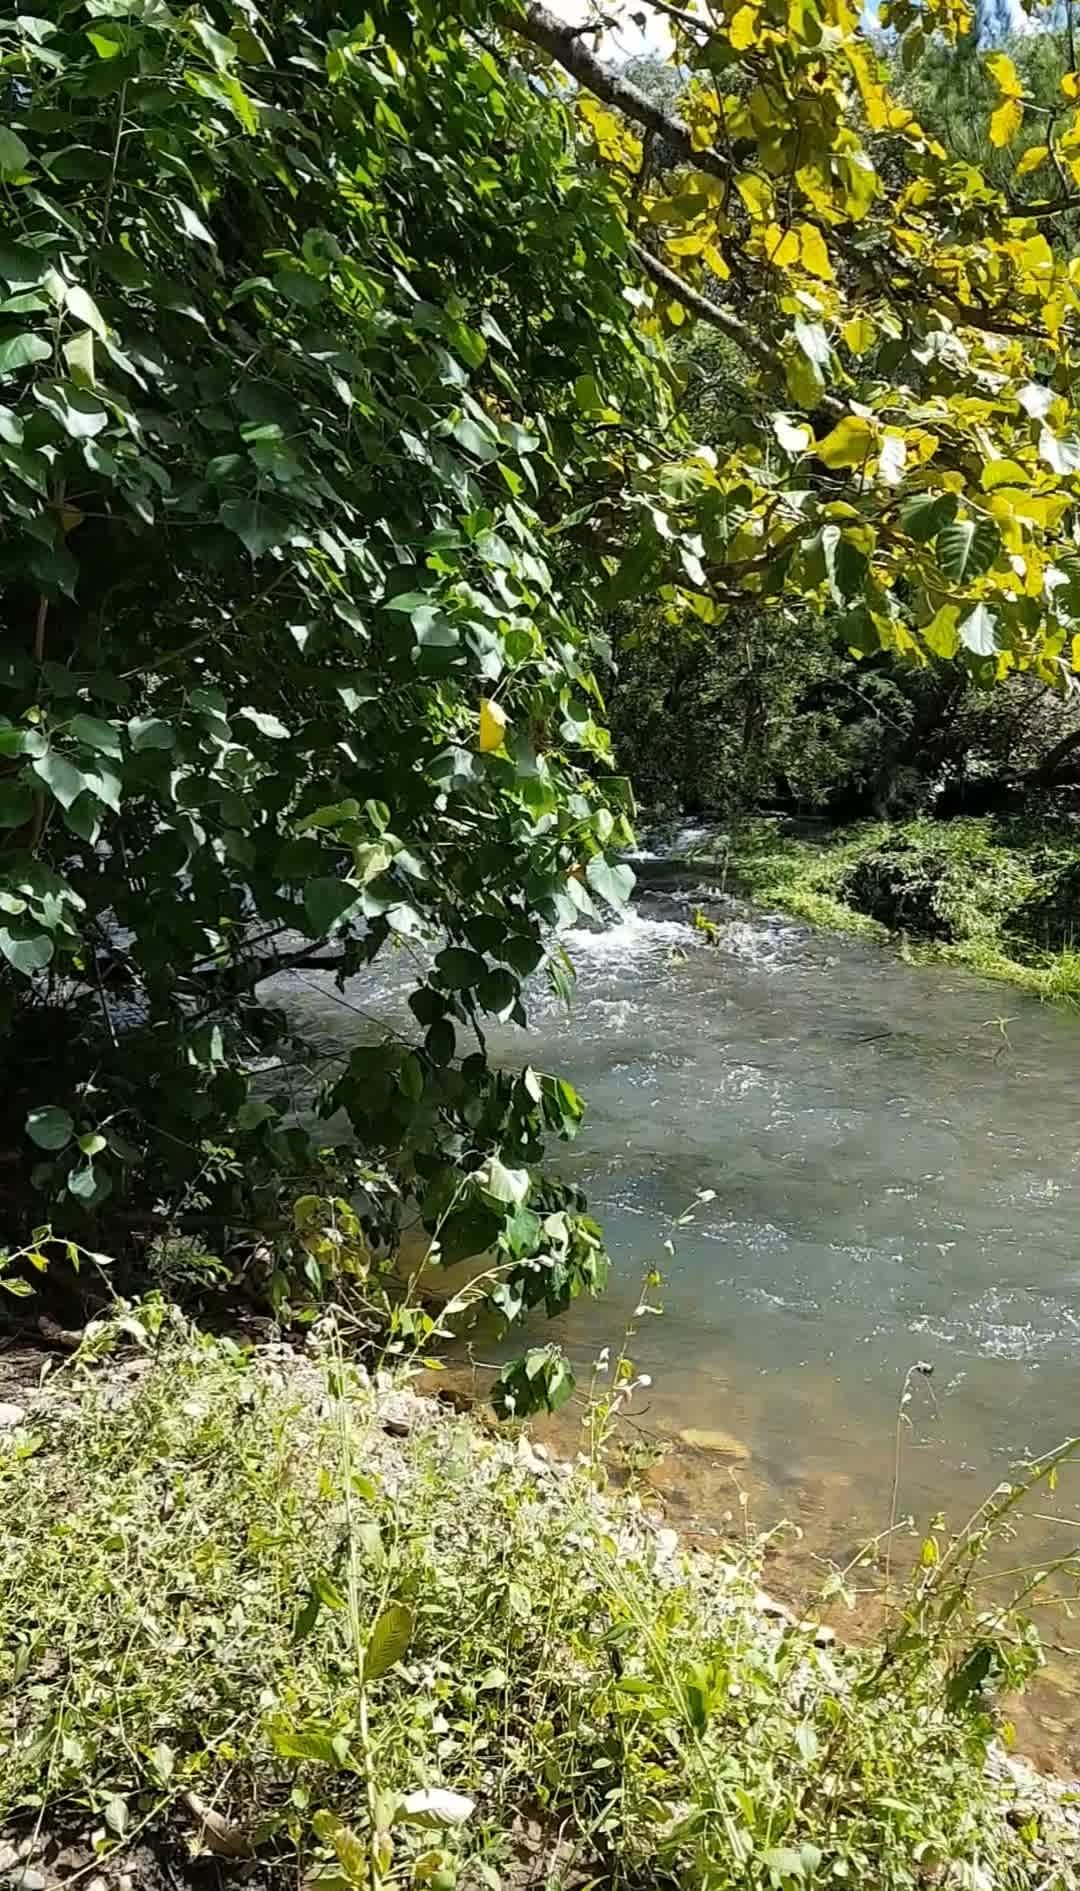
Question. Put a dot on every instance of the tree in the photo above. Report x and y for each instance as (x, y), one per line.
(906, 317)
(294, 308)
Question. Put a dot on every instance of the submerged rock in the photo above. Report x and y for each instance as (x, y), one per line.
(723, 1443)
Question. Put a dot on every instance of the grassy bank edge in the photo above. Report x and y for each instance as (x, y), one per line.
(258, 1598)
(799, 875)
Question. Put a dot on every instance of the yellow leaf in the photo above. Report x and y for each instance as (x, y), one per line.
(859, 334)
(781, 247)
(1006, 121)
(1070, 84)
(1076, 653)
(691, 244)
(1046, 509)
(804, 378)
(1037, 154)
(717, 261)
(493, 723)
(815, 256)
(1002, 473)
(940, 635)
(849, 443)
(1005, 76)
(79, 355)
(756, 194)
(743, 29)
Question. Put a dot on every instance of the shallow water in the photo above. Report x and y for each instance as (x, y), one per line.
(895, 1158)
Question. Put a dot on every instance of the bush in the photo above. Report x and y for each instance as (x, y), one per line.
(1050, 919)
(945, 883)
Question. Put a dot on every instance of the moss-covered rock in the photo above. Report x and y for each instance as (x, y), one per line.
(936, 884)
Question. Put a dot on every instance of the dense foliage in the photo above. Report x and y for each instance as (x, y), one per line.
(773, 707)
(294, 311)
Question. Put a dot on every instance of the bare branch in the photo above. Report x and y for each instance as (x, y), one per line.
(680, 17)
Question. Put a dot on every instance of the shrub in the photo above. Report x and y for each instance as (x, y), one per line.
(946, 883)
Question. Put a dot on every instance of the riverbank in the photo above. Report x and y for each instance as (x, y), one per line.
(259, 1610)
(1001, 896)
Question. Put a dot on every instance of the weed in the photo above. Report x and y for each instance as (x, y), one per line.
(227, 1587)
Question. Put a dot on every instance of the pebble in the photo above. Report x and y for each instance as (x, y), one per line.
(29, 1880)
(10, 1416)
(9, 1858)
(768, 1605)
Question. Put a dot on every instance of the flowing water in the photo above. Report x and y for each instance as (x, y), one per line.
(896, 1167)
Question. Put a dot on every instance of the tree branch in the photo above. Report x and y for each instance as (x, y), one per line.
(730, 325)
(537, 23)
(677, 14)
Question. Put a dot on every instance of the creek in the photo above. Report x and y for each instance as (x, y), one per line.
(894, 1155)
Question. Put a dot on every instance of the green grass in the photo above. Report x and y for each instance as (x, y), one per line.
(229, 1597)
(990, 871)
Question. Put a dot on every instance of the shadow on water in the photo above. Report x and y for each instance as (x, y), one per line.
(897, 1175)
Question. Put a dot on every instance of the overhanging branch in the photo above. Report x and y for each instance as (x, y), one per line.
(538, 24)
(730, 325)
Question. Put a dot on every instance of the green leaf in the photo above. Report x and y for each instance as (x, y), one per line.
(978, 632)
(326, 901)
(50, 1127)
(308, 1742)
(925, 515)
(92, 1144)
(163, 1761)
(783, 1865)
(222, 51)
(191, 224)
(266, 724)
(79, 355)
(21, 265)
(505, 1185)
(64, 782)
(472, 437)
(27, 951)
(967, 548)
(103, 736)
(350, 1851)
(612, 883)
(22, 350)
(81, 304)
(14, 156)
(259, 526)
(22, 741)
(390, 1638)
(89, 1185)
(459, 969)
(150, 732)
